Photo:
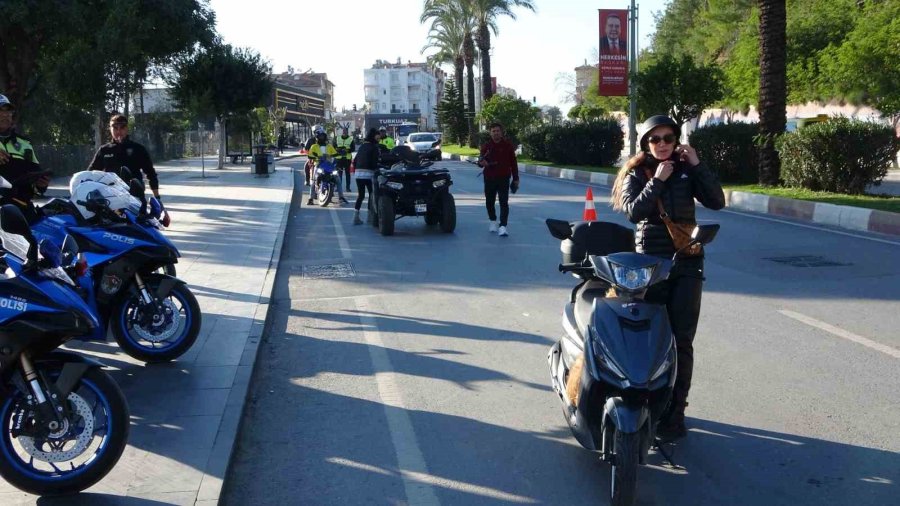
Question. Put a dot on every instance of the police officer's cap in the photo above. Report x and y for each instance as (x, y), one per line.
(5, 103)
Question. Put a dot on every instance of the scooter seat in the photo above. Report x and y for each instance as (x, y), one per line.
(584, 302)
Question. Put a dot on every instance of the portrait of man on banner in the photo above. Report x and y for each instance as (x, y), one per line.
(613, 53)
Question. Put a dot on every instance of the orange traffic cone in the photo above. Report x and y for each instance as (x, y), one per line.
(590, 214)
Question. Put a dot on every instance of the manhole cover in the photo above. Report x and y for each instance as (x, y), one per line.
(807, 261)
(328, 271)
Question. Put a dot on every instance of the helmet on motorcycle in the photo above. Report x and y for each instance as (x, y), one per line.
(112, 196)
(653, 122)
(97, 176)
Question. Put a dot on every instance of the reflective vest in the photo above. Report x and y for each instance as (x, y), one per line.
(347, 143)
(388, 142)
(316, 151)
(18, 148)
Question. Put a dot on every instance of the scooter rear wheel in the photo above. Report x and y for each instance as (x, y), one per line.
(623, 475)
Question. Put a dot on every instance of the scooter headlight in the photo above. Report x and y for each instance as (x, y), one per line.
(631, 278)
(395, 185)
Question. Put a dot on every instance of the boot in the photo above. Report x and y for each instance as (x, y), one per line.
(309, 202)
(356, 220)
(671, 424)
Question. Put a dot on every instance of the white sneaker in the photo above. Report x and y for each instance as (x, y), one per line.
(503, 232)
(493, 228)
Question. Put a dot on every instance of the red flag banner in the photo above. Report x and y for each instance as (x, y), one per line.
(613, 52)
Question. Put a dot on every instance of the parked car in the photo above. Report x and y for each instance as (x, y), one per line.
(427, 144)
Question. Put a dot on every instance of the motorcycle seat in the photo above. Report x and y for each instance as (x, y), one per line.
(584, 302)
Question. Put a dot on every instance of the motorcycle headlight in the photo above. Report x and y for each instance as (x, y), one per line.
(631, 278)
(439, 183)
(395, 185)
(58, 274)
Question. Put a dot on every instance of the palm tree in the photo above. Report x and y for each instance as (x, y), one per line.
(486, 13)
(448, 40)
(772, 86)
(455, 16)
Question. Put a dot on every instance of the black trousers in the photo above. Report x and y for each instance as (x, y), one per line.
(497, 188)
(681, 294)
(343, 165)
(361, 186)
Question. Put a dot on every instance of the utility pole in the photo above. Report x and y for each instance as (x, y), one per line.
(633, 69)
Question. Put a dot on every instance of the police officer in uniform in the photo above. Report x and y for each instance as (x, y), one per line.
(124, 152)
(344, 145)
(19, 165)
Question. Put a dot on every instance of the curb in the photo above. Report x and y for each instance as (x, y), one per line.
(847, 217)
(220, 458)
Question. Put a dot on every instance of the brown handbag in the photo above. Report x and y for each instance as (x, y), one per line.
(679, 232)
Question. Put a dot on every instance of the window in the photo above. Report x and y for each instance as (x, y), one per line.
(415, 106)
(384, 92)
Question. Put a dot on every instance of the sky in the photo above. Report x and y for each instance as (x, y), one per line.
(343, 38)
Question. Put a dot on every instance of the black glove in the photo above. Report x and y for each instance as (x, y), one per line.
(514, 186)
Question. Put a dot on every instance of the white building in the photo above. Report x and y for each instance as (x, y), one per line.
(501, 90)
(411, 91)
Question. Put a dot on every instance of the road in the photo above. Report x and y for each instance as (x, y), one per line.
(422, 379)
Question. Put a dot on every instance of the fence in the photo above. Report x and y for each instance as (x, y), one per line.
(64, 160)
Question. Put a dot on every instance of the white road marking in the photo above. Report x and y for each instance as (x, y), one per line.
(339, 232)
(412, 465)
(436, 481)
(839, 332)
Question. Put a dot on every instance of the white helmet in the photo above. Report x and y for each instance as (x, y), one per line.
(116, 198)
(97, 176)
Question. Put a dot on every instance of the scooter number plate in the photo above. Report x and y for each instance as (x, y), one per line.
(421, 208)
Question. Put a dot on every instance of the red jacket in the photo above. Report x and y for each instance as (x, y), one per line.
(501, 160)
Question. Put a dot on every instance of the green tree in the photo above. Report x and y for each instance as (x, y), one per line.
(552, 115)
(486, 13)
(772, 87)
(513, 113)
(451, 114)
(678, 87)
(220, 82)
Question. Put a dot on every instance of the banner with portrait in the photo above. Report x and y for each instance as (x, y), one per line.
(613, 52)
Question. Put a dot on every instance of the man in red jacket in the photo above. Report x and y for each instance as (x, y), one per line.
(498, 158)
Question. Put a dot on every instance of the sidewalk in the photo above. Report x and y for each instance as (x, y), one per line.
(229, 228)
(847, 217)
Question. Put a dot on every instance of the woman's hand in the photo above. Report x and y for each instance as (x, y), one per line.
(688, 154)
(664, 170)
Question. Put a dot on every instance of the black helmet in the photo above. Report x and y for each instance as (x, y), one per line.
(656, 121)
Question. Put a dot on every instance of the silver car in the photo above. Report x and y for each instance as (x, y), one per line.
(426, 143)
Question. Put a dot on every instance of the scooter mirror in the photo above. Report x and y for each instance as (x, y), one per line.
(559, 229)
(704, 234)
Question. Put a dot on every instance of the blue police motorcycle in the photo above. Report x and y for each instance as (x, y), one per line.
(153, 317)
(326, 180)
(64, 422)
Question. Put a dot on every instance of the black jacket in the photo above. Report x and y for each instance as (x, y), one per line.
(677, 193)
(113, 156)
(367, 156)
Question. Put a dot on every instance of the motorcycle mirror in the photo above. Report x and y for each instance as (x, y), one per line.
(559, 229)
(704, 234)
(137, 190)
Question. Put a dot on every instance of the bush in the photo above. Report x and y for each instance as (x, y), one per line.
(511, 134)
(729, 150)
(598, 143)
(839, 155)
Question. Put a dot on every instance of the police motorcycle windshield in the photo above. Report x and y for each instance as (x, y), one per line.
(631, 339)
(29, 289)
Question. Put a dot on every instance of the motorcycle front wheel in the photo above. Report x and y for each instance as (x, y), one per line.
(153, 334)
(623, 475)
(325, 193)
(84, 449)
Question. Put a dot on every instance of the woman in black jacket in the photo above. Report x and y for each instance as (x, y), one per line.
(665, 171)
(365, 164)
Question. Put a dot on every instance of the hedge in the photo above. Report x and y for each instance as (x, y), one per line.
(729, 150)
(839, 155)
(597, 143)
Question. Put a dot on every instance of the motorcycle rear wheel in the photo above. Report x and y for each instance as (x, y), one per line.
(623, 473)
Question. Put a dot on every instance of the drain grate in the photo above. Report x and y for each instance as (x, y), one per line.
(807, 261)
(328, 271)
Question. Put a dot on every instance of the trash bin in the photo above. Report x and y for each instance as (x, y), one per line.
(260, 160)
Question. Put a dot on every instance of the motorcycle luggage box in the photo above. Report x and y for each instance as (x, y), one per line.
(595, 238)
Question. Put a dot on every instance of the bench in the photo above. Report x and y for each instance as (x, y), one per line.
(239, 156)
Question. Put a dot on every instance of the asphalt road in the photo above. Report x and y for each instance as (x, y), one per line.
(422, 379)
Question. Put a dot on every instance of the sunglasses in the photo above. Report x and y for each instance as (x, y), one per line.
(656, 139)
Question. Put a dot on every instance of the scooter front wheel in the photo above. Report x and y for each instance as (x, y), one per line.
(83, 449)
(160, 333)
(623, 476)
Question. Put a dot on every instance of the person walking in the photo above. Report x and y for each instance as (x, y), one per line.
(124, 152)
(19, 165)
(366, 162)
(667, 177)
(345, 146)
(498, 159)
